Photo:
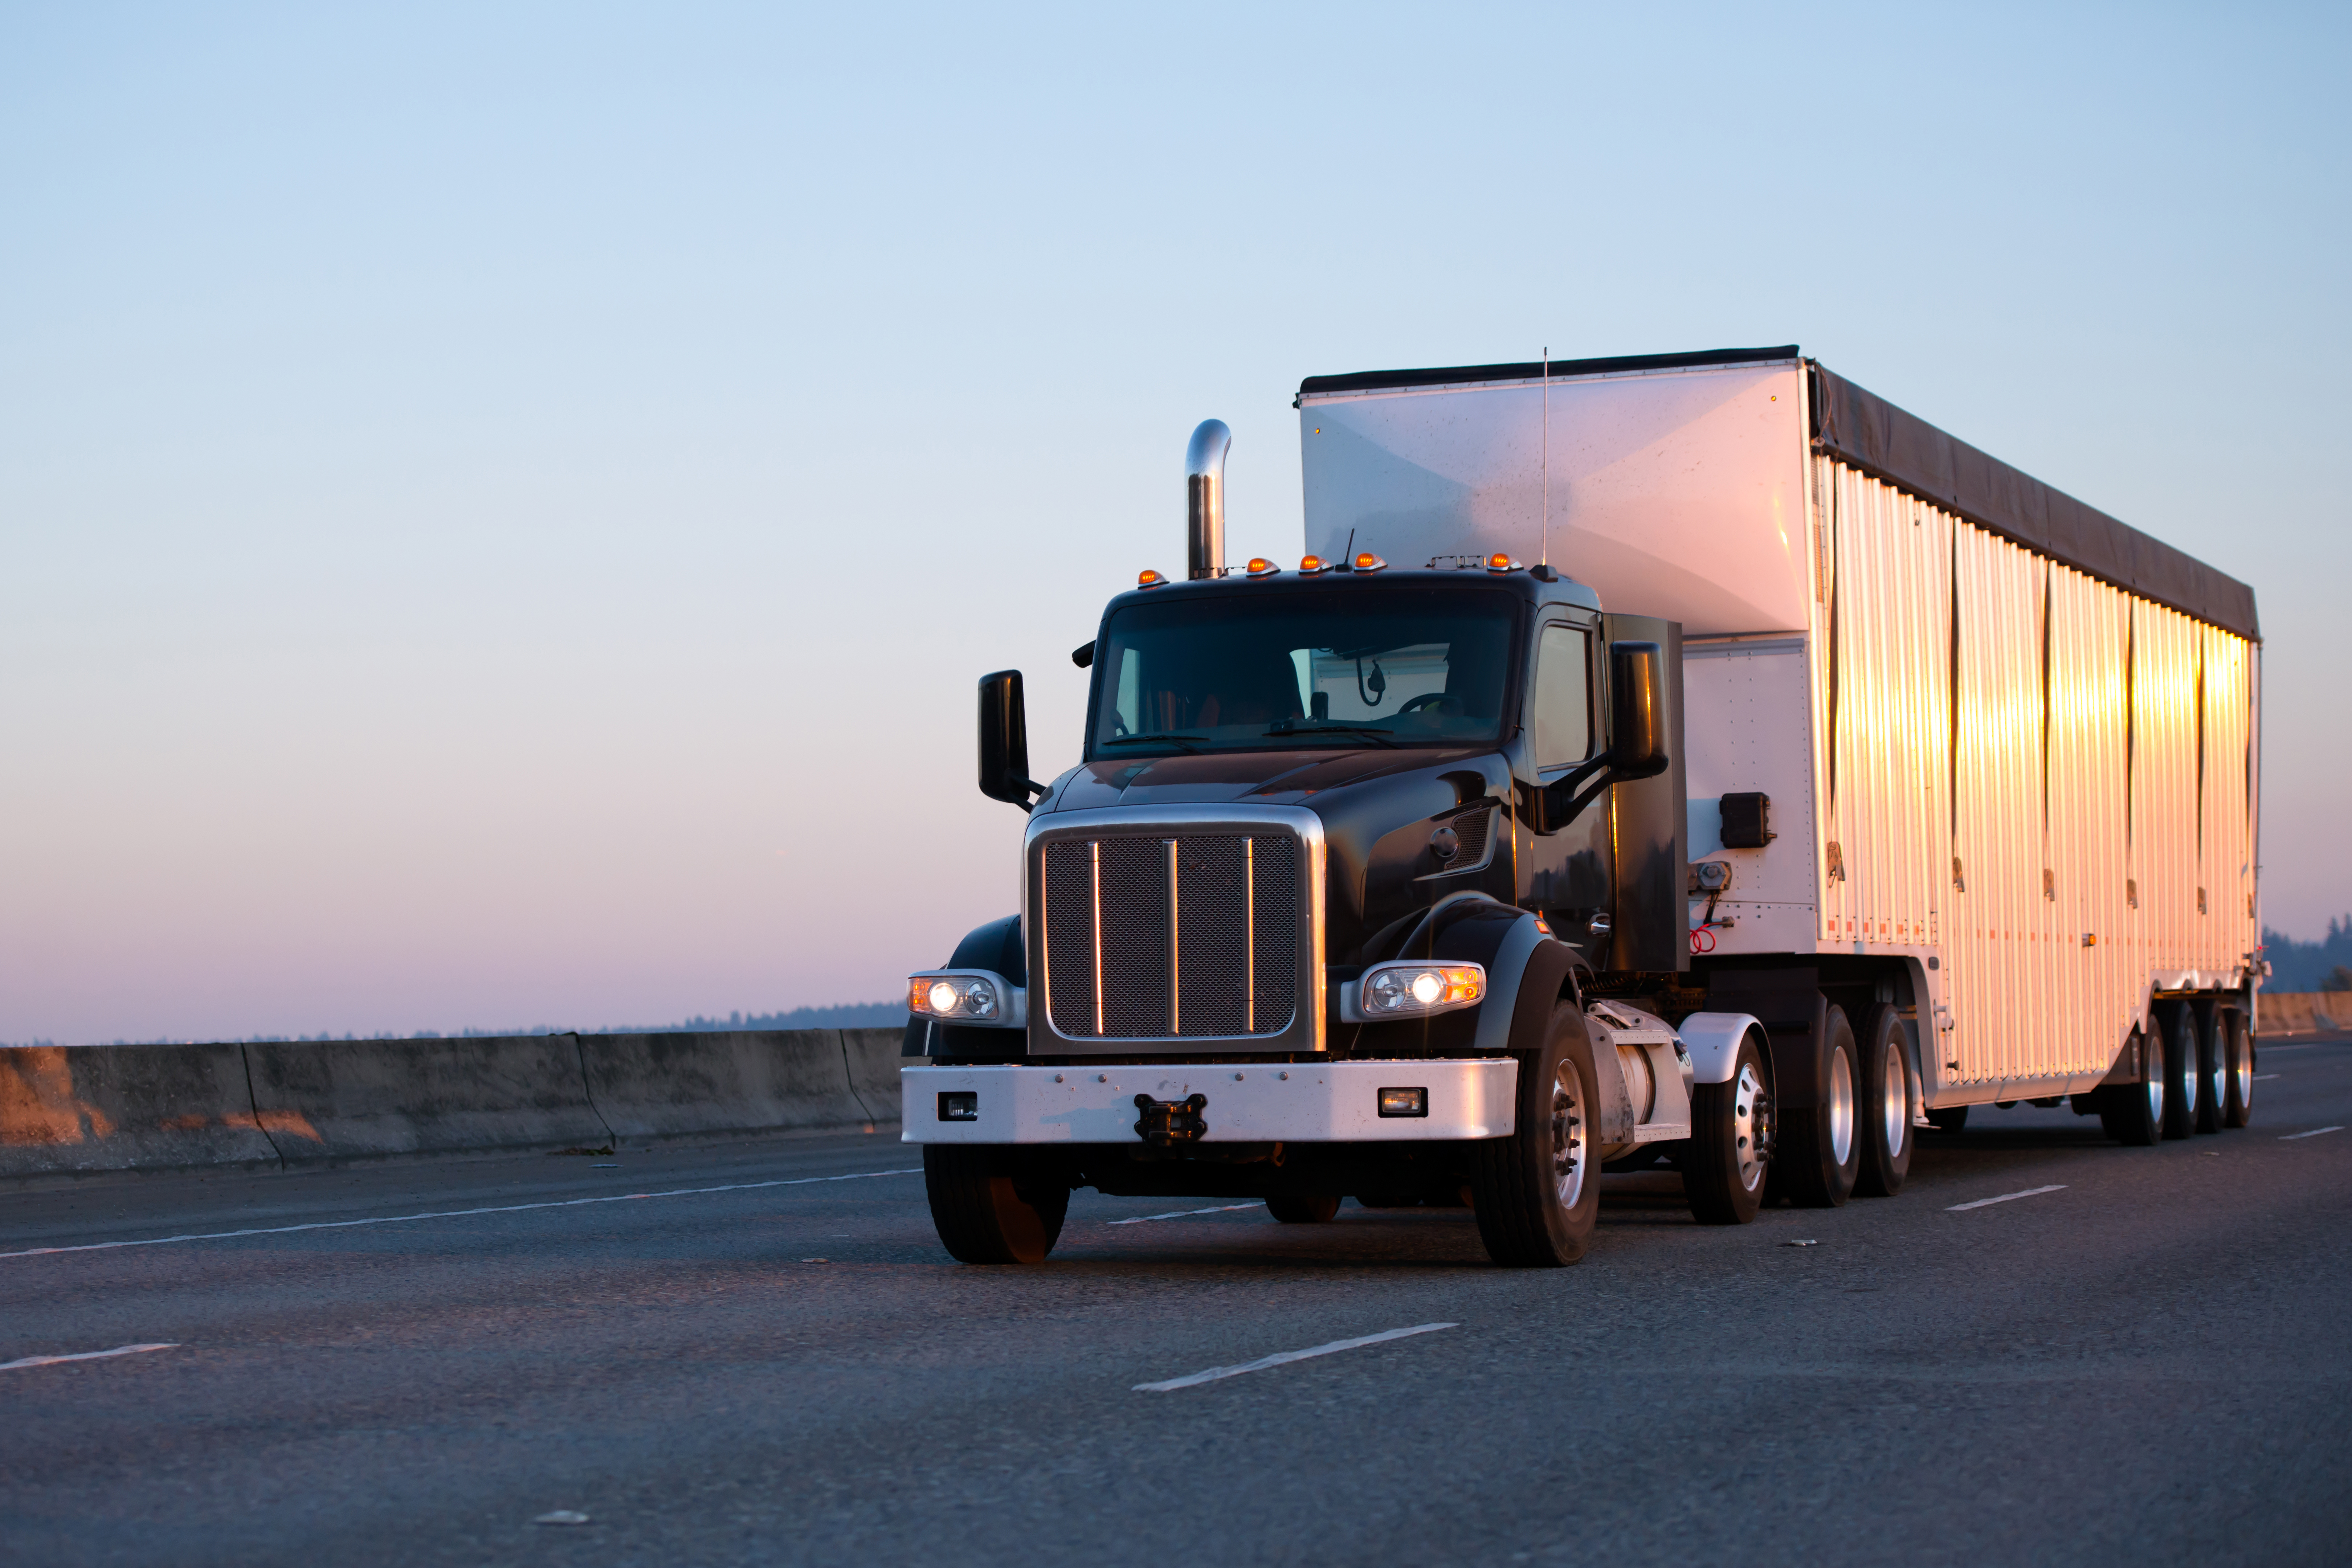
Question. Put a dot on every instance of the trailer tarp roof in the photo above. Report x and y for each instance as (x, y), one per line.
(1912, 455)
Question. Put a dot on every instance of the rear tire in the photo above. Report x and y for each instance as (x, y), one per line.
(1293, 1208)
(2238, 1107)
(2133, 1113)
(1538, 1191)
(985, 1210)
(1730, 1146)
(2213, 1067)
(2179, 1023)
(1818, 1151)
(1885, 1111)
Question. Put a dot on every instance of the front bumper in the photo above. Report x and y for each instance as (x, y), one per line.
(1317, 1102)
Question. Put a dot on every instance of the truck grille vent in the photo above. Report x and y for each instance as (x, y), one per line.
(1152, 938)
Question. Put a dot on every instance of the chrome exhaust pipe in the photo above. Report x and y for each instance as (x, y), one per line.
(1205, 500)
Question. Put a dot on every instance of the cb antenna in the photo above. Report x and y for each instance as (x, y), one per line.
(1543, 458)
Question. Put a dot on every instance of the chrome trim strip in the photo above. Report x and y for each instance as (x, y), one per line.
(1175, 946)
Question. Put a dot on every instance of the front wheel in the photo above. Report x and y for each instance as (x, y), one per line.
(1730, 1143)
(1536, 1192)
(987, 1208)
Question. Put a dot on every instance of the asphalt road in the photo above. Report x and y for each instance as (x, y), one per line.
(2148, 1364)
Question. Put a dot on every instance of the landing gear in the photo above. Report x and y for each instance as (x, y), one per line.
(1537, 1193)
(1885, 1112)
(1730, 1144)
(990, 1206)
(1819, 1156)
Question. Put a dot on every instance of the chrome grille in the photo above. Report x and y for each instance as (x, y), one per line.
(1171, 937)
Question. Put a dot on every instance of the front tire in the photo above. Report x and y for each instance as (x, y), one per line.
(1730, 1146)
(986, 1209)
(1537, 1193)
(1885, 1108)
(1819, 1155)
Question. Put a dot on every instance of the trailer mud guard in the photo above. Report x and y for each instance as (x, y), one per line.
(1789, 1003)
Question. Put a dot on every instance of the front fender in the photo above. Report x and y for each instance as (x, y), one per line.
(998, 948)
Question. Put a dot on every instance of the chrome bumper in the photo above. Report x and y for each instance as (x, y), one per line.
(1318, 1102)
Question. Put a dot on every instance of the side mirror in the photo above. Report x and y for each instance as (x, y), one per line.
(1004, 740)
(1637, 683)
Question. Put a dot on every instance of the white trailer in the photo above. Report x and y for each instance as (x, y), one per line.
(2011, 746)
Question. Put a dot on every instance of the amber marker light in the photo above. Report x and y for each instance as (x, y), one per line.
(1260, 566)
(1500, 562)
(1310, 564)
(1368, 562)
(1148, 578)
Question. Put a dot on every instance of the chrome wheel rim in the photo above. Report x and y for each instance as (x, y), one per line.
(1752, 1126)
(2153, 1072)
(2189, 1078)
(1840, 1107)
(2217, 1082)
(1567, 1134)
(2241, 1069)
(1895, 1101)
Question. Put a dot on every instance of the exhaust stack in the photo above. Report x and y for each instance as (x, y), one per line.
(1205, 500)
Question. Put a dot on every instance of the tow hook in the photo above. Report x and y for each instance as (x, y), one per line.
(1168, 1122)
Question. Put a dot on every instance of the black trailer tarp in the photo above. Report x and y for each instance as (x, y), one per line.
(1912, 455)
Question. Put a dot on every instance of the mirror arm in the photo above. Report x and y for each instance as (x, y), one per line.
(1561, 806)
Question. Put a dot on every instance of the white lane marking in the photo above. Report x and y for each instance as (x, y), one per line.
(84, 1355)
(1184, 1214)
(457, 1214)
(1283, 1358)
(2007, 1197)
(2314, 1133)
(2262, 1076)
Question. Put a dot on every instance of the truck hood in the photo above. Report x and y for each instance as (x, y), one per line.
(1276, 778)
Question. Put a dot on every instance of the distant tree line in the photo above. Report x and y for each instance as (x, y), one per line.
(847, 1015)
(2324, 965)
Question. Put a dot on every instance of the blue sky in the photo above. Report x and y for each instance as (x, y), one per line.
(501, 505)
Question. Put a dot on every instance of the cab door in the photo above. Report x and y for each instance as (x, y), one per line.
(1565, 872)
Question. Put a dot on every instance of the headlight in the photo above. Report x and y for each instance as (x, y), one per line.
(1411, 990)
(966, 996)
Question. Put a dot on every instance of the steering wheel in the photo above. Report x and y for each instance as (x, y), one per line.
(1427, 699)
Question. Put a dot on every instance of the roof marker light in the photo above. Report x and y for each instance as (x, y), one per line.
(1501, 563)
(1260, 566)
(1309, 565)
(1148, 578)
(1368, 562)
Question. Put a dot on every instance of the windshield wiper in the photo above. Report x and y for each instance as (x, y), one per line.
(1177, 741)
(1287, 727)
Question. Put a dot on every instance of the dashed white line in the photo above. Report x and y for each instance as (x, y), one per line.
(83, 1355)
(2291, 1137)
(2264, 1077)
(2006, 1197)
(1184, 1214)
(456, 1214)
(1283, 1358)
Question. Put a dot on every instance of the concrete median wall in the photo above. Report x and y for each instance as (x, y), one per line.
(2302, 1012)
(67, 1108)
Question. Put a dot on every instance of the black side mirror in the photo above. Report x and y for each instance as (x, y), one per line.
(1637, 682)
(1004, 740)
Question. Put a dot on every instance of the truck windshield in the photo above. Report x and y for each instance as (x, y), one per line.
(1275, 670)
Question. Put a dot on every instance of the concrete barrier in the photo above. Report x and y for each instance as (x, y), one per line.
(664, 1086)
(344, 1099)
(2302, 1012)
(113, 1108)
(874, 1063)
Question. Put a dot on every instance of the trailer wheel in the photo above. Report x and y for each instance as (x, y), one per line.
(2213, 1067)
(2238, 1104)
(1296, 1208)
(2133, 1113)
(1537, 1193)
(1730, 1145)
(1886, 1110)
(1818, 1153)
(2178, 1022)
(985, 1210)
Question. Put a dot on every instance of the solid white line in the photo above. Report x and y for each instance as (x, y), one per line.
(1283, 1358)
(2264, 1077)
(2005, 1197)
(456, 1214)
(1184, 1213)
(2314, 1133)
(84, 1355)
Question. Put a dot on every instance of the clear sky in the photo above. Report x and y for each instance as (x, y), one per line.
(502, 506)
